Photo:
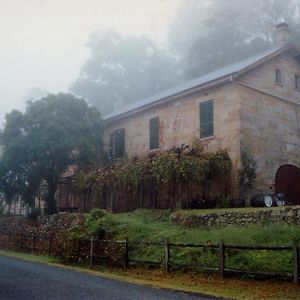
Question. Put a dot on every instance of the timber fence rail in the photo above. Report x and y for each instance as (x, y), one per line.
(124, 253)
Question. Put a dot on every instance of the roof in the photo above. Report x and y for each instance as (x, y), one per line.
(211, 77)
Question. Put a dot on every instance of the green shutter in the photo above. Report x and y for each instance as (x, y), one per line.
(154, 133)
(119, 143)
(206, 119)
(297, 82)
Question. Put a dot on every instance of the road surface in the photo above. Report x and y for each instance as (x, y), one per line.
(26, 280)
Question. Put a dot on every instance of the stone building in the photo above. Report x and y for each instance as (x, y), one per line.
(253, 104)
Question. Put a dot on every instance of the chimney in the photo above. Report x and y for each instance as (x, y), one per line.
(117, 105)
(282, 35)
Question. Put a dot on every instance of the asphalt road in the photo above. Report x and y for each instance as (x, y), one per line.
(26, 280)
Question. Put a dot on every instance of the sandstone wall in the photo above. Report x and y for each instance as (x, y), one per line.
(287, 215)
(180, 124)
(270, 123)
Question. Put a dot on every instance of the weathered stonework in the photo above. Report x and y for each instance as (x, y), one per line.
(269, 120)
(250, 111)
(179, 124)
(287, 215)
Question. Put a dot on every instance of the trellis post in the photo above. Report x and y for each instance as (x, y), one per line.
(221, 258)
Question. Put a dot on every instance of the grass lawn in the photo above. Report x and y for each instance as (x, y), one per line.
(157, 226)
(189, 282)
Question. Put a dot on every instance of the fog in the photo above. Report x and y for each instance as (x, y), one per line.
(43, 43)
(116, 52)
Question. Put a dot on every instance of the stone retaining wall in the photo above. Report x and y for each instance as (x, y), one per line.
(287, 215)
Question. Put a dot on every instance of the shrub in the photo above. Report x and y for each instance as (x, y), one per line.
(98, 222)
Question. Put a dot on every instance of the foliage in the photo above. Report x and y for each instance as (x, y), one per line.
(223, 202)
(123, 69)
(34, 213)
(247, 172)
(166, 167)
(157, 225)
(98, 223)
(39, 145)
(1, 207)
(229, 31)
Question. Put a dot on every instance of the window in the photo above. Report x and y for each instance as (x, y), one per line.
(297, 82)
(117, 143)
(278, 78)
(154, 133)
(206, 119)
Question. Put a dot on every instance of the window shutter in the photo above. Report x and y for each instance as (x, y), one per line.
(119, 143)
(297, 82)
(278, 75)
(154, 133)
(206, 118)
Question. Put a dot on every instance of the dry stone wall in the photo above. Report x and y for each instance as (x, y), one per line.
(286, 215)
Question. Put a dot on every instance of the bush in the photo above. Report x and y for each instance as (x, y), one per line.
(98, 222)
(33, 213)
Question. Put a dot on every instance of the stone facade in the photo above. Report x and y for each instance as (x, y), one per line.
(251, 111)
(179, 123)
(269, 117)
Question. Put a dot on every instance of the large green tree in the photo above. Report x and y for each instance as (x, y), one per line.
(39, 145)
(210, 34)
(123, 70)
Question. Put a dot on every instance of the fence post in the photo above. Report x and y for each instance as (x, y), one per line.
(126, 254)
(67, 250)
(221, 258)
(91, 251)
(9, 240)
(167, 255)
(32, 242)
(296, 261)
(20, 241)
(49, 246)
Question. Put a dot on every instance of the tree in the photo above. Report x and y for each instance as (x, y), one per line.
(223, 32)
(123, 70)
(39, 145)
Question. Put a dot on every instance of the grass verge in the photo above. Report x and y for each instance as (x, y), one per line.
(188, 282)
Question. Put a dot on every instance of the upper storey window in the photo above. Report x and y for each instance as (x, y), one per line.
(278, 77)
(117, 143)
(297, 82)
(206, 119)
(154, 133)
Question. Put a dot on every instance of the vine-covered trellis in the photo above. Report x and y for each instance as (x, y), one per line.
(179, 178)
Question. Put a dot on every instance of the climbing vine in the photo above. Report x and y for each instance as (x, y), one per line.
(178, 165)
(247, 172)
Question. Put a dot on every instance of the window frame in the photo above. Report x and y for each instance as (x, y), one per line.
(206, 118)
(278, 76)
(297, 82)
(117, 143)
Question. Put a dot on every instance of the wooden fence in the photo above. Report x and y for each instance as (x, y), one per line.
(95, 251)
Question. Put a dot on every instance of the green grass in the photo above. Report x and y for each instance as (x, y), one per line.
(229, 288)
(30, 257)
(157, 226)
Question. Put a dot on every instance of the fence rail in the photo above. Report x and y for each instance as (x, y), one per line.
(93, 251)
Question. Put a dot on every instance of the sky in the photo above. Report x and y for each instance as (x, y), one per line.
(43, 43)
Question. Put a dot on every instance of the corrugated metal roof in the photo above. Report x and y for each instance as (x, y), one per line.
(197, 82)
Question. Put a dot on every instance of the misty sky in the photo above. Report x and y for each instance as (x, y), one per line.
(43, 42)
